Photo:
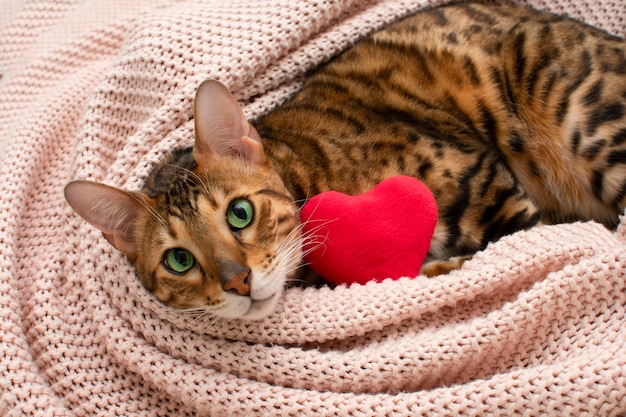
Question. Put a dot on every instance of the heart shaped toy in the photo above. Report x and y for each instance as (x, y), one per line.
(383, 233)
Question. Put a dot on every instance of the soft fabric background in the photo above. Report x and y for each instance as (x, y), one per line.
(102, 89)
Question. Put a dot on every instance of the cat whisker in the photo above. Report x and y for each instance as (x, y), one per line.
(297, 245)
(300, 202)
(290, 249)
(153, 212)
(197, 177)
(206, 320)
(203, 316)
(311, 240)
(308, 242)
(289, 252)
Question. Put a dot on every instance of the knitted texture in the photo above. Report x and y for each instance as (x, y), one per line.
(102, 89)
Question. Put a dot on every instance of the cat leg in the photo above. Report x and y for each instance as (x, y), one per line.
(443, 266)
(514, 212)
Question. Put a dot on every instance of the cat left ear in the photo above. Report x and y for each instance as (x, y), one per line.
(221, 127)
(115, 212)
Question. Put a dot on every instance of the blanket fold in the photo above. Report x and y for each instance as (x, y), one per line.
(103, 89)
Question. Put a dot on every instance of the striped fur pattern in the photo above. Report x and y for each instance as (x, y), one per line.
(511, 117)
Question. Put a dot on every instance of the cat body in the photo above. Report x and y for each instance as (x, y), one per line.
(510, 116)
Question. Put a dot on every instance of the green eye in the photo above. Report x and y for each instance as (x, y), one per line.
(240, 214)
(179, 260)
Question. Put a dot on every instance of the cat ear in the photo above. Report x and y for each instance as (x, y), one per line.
(113, 211)
(222, 128)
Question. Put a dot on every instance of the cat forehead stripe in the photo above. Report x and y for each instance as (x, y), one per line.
(275, 194)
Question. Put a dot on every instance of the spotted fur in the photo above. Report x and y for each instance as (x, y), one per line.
(512, 118)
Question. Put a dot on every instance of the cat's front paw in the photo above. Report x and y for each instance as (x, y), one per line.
(440, 267)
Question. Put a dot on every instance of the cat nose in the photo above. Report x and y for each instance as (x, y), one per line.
(238, 284)
(236, 279)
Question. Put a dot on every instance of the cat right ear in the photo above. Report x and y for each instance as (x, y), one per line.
(113, 211)
(221, 127)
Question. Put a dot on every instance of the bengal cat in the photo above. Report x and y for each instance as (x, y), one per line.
(512, 117)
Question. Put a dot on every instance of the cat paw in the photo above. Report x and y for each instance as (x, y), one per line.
(440, 267)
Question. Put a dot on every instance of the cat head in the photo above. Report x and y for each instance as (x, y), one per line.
(214, 229)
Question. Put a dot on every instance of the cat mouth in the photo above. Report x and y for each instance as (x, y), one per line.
(261, 308)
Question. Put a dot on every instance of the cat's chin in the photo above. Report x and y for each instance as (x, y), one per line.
(259, 309)
(245, 308)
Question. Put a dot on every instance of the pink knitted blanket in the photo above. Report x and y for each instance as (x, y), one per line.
(102, 89)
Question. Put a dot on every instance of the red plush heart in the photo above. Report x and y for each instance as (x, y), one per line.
(383, 233)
